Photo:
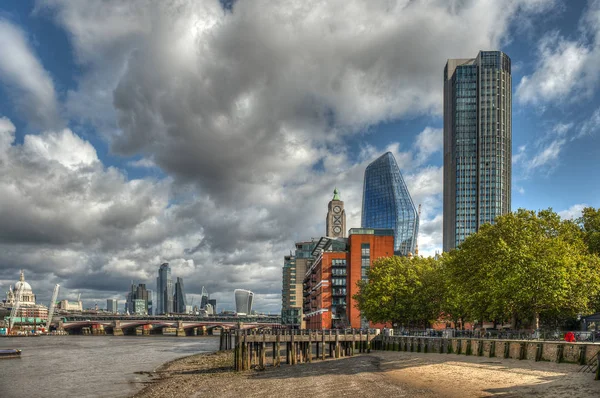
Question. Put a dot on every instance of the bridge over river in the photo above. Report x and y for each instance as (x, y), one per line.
(172, 325)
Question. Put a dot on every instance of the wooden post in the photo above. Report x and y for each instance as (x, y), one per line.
(323, 345)
(360, 341)
(337, 344)
(278, 349)
(293, 349)
(309, 353)
(263, 354)
(238, 352)
(368, 343)
(353, 342)
(597, 366)
(244, 354)
(317, 343)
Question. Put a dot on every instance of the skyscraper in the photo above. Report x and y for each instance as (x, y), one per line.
(164, 290)
(179, 301)
(112, 306)
(243, 301)
(477, 143)
(203, 298)
(138, 292)
(387, 203)
(336, 217)
(213, 303)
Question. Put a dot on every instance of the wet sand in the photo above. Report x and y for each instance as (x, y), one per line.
(379, 374)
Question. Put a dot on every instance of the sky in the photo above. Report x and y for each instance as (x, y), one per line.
(211, 135)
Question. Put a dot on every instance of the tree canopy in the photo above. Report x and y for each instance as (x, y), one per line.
(528, 267)
(402, 291)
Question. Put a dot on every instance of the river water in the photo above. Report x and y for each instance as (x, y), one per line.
(89, 366)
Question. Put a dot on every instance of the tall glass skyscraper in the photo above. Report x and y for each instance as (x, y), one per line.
(387, 204)
(477, 143)
(164, 290)
(179, 301)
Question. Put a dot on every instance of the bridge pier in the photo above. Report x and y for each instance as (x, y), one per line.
(117, 331)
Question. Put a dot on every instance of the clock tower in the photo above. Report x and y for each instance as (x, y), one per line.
(336, 217)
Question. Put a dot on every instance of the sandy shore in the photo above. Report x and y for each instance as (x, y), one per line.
(379, 374)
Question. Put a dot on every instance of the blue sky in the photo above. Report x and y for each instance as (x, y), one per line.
(212, 138)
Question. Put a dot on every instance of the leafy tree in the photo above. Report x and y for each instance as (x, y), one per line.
(523, 265)
(403, 291)
(590, 225)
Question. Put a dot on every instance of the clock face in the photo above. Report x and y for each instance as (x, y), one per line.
(337, 229)
(337, 209)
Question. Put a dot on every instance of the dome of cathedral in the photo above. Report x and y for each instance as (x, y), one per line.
(26, 286)
(21, 282)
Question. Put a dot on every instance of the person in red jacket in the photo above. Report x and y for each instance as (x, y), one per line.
(570, 337)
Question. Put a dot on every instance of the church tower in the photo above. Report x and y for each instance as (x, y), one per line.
(336, 217)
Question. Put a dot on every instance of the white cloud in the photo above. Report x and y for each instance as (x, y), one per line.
(572, 212)
(428, 142)
(566, 69)
(28, 84)
(64, 147)
(548, 156)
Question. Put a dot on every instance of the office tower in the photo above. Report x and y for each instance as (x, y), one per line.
(164, 290)
(243, 301)
(336, 217)
(291, 311)
(203, 298)
(112, 306)
(179, 301)
(213, 302)
(151, 302)
(477, 143)
(387, 204)
(137, 292)
(294, 268)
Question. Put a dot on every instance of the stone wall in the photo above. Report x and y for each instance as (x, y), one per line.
(531, 350)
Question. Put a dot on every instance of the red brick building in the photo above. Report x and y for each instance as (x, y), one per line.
(338, 265)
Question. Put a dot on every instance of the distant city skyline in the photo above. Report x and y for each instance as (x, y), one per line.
(113, 160)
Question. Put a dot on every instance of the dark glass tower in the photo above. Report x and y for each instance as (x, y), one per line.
(387, 204)
(164, 290)
(477, 143)
(179, 301)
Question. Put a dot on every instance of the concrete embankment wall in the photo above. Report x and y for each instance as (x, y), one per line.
(532, 350)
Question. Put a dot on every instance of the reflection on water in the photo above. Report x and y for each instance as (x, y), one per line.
(89, 366)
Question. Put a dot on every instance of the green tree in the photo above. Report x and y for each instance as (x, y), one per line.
(590, 225)
(400, 290)
(524, 265)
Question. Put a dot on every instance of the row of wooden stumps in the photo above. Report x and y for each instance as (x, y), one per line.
(225, 340)
(301, 346)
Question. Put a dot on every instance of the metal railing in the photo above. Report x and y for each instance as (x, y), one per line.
(542, 335)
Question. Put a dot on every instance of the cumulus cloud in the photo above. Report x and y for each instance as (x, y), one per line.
(566, 68)
(572, 212)
(428, 142)
(27, 83)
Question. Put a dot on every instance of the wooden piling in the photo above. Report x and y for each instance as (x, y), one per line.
(309, 347)
(278, 349)
(323, 345)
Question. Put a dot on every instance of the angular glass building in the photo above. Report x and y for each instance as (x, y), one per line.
(387, 204)
(243, 301)
(477, 143)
